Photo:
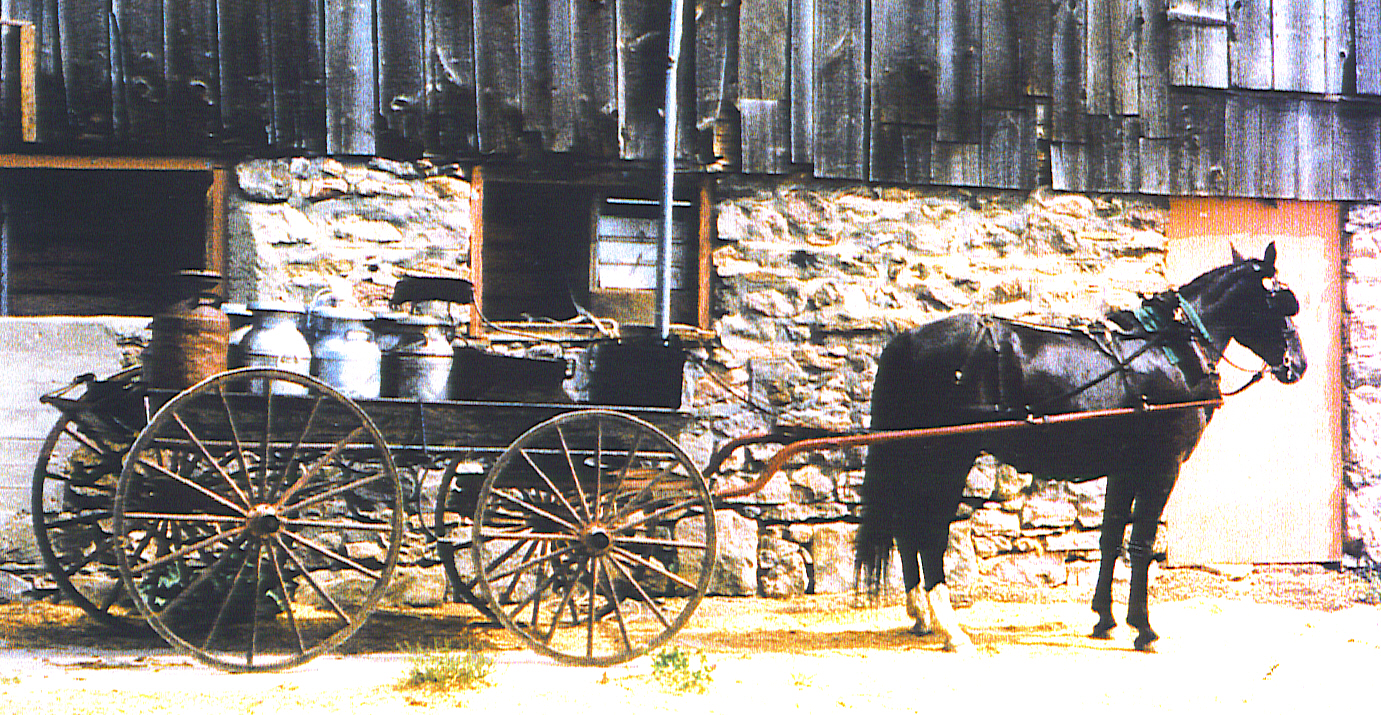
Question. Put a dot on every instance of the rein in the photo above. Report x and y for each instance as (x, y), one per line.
(1200, 335)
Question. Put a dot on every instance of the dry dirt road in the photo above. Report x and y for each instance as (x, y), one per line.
(1274, 642)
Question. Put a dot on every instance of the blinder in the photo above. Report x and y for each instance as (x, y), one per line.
(1282, 301)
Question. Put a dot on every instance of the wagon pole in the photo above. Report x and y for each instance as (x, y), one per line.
(861, 439)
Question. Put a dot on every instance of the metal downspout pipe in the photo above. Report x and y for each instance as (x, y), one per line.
(670, 117)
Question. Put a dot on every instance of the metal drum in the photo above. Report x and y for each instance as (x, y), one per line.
(345, 355)
(274, 341)
(419, 366)
(189, 336)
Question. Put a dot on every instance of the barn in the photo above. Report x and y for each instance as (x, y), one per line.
(843, 170)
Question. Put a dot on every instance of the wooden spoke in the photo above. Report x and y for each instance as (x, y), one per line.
(297, 445)
(341, 525)
(235, 441)
(649, 541)
(657, 514)
(206, 454)
(534, 509)
(343, 560)
(318, 498)
(204, 576)
(282, 591)
(575, 474)
(530, 562)
(188, 518)
(646, 599)
(175, 555)
(229, 597)
(164, 471)
(651, 564)
(311, 581)
(547, 480)
(320, 464)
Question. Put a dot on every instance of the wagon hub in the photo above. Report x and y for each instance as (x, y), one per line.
(263, 520)
(596, 540)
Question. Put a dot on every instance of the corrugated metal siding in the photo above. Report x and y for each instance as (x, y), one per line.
(1184, 97)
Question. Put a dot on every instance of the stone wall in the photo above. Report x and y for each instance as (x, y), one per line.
(298, 226)
(813, 279)
(1362, 385)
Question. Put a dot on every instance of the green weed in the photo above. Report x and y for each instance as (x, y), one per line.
(448, 669)
(682, 671)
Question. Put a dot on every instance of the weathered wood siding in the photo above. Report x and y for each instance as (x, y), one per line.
(1257, 98)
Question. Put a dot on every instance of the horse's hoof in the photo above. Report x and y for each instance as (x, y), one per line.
(921, 630)
(1146, 643)
(1102, 632)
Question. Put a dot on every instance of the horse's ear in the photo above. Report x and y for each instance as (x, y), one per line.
(1270, 257)
(1236, 257)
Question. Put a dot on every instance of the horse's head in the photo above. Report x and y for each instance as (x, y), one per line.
(1259, 314)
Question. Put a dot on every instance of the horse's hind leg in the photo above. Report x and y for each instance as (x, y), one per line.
(1117, 511)
(916, 606)
(1150, 502)
(934, 538)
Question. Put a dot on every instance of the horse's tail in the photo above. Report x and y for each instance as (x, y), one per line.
(873, 543)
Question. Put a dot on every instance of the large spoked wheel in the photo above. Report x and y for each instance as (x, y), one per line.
(73, 494)
(258, 519)
(594, 537)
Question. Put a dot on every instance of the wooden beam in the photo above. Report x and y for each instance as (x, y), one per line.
(217, 194)
(477, 249)
(106, 163)
(705, 274)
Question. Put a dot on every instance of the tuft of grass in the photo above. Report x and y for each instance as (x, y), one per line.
(448, 669)
(682, 671)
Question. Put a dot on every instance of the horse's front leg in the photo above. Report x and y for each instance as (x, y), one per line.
(1150, 502)
(1117, 511)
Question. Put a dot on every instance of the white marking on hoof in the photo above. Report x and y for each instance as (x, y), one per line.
(945, 622)
(918, 608)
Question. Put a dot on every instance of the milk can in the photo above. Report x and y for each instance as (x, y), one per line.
(241, 320)
(345, 355)
(421, 361)
(275, 341)
(387, 332)
(189, 336)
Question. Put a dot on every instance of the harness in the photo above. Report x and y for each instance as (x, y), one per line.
(1159, 328)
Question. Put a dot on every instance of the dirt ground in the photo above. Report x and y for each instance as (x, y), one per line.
(1283, 639)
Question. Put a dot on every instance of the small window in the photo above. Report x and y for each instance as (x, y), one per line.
(626, 246)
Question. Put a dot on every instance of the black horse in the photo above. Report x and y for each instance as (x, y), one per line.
(967, 369)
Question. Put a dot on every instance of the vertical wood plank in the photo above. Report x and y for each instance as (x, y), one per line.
(1242, 128)
(1197, 163)
(1000, 61)
(1315, 161)
(566, 116)
(1125, 25)
(1367, 48)
(402, 88)
(49, 112)
(1155, 165)
(449, 71)
(477, 224)
(141, 92)
(1199, 51)
(595, 47)
(1067, 78)
(714, 73)
(497, 85)
(1067, 167)
(193, 78)
(803, 81)
(1356, 152)
(1299, 45)
(903, 91)
(1249, 44)
(955, 164)
(85, 36)
(246, 95)
(351, 96)
(1153, 70)
(1339, 64)
(299, 77)
(1009, 149)
(705, 256)
(1034, 37)
(535, 58)
(764, 86)
(901, 153)
(1098, 62)
(841, 111)
(1279, 141)
(642, 27)
(959, 42)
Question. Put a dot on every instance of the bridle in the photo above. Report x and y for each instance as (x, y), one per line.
(1280, 300)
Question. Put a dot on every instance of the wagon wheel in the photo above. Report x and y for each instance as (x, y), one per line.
(454, 533)
(72, 495)
(257, 531)
(594, 535)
